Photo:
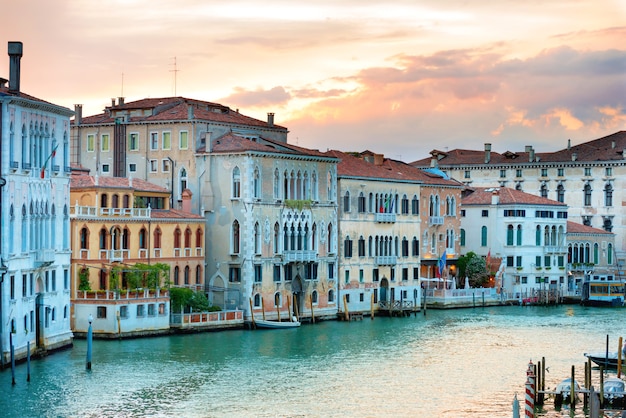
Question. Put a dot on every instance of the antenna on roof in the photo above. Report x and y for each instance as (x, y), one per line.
(175, 71)
(122, 95)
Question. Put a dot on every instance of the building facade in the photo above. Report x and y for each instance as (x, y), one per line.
(271, 213)
(34, 201)
(588, 177)
(116, 235)
(527, 232)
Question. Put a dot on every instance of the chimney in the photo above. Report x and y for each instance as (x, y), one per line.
(531, 155)
(120, 101)
(78, 114)
(574, 156)
(186, 196)
(569, 144)
(112, 101)
(434, 163)
(487, 153)
(189, 111)
(495, 197)
(378, 159)
(270, 119)
(15, 55)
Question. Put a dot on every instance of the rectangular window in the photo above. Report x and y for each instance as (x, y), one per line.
(165, 166)
(561, 261)
(258, 273)
(288, 272)
(393, 274)
(12, 287)
(509, 261)
(167, 140)
(66, 279)
(518, 173)
(360, 275)
(133, 141)
(105, 145)
(141, 312)
(54, 280)
(154, 141)
(485, 213)
(467, 174)
(608, 171)
(375, 275)
(124, 312)
(105, 168)
(361, 297)
(151, 310)
(276, 272)
(331, 270)
(24, 286)
(347, 276)
(502, 173)
(91, 143)
(162, 309)
(587, 171)
(518, 261)
(183, 140)
(559, 172)
(132, 168)
(101, 312)
(234, 274)
(416, 273)
(405, 274)
(544, 172)
(154, 166)
(538, 261)
(546, 261)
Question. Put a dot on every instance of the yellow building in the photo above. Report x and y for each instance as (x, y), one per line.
(117, 223)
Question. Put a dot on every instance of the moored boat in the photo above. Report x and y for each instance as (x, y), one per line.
(262, 323)
(614, 392)
(603, 292)
(563, 391)
(607, 360)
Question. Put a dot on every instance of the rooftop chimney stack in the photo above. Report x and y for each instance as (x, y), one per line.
(495, 197)
(120, 101)
(270, 119)
(574, 156)
(15, 55)
(78, 114)
(531, 155)
(379, 159)
(487, 153)
(569, 144)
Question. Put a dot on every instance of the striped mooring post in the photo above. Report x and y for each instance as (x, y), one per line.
(529, 403)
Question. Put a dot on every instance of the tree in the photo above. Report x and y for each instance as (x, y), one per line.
(474, 268)
(83, 277)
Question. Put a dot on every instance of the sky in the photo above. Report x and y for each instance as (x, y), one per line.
(398, 77)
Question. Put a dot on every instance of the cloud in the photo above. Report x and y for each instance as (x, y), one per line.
(258, 98)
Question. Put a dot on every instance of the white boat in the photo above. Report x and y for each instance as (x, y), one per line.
(564, 388)
(262, 323)
(608, 361)
(614, 392)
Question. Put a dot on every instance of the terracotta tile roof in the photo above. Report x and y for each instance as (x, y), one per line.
(177, 109)
(507, 196)
(355, 165)
(82, 181)
(576, 228)
(173, 214)
(234, 143)
(608, 148)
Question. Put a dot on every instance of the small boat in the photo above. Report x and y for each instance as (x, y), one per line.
(608, 361)
(262, 323)
(615, 392)
(563, 389)
(603, 292)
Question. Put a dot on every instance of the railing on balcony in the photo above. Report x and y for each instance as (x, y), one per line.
(199, 252)
(581, 267)
(43, 256)
(84, 254)
(386, 260)
(114, 255)
(157, 253)
(555, 249)
(385, 217)
(92, 211)
(300, 256)
(177, 252)
(143, 253)
(435, 220)
(187, 251)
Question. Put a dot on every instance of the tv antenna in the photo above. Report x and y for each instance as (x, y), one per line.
(175, 71)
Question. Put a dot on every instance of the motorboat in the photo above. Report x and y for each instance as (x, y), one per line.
(607, 360)
(602, 292)
(262, 323)
(615, 392)
(563, 390)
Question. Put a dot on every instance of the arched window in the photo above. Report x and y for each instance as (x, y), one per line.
(519, 235)
(177, 235)
(126, 201)
(329, 239)
(84, 238)
(462, 238)
(509, 235)
(543, 191)
(235, 237)
(331, 296)
(176, 276)
(276, 238)
(236, 186)
(104, 200)
(596, 253)
(538, 235)
(405, 205)
(188, 237)
(361, 202)
(198, 274)
(257, 300)
(483, 236)
(560, 193)
(157, 238)
(142, 238)
(199, 238)
(182, 182)
(256, 183)
(115, 201)
(346, 202)
(257, 239)
(276, 184)
(277, 300)
(186, 275)
(103, 239)
(314, 297)
(415, 247)
(415, 206)
(609, 254)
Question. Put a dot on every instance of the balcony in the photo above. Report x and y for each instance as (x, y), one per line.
(435, 220)
(93, 212)
(385, 217)
(114, 255)
(300, 256)
(555, 249)
(43, 256)
(386, 260)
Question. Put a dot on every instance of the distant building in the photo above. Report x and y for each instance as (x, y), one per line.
(588, 177)
(115, 230)
(527, 232)
(34, 200)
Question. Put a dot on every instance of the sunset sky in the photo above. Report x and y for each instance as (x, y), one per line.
(399, 77)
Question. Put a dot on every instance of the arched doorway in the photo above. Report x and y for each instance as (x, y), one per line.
(384, 287)
(297, 296)
(216, 292)
(39, 312)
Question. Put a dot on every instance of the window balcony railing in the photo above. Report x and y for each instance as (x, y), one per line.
(435, 220)
(300, 256)
(114, 255)
(385, 217)
(43, 256)
(386, 260)
(555, 249)
(92, 212)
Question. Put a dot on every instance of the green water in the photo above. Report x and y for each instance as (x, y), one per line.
(454, 363)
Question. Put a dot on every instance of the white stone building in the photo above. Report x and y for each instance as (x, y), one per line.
(527, 232)
(35, 244)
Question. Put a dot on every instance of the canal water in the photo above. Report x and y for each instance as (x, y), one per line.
(450, 363)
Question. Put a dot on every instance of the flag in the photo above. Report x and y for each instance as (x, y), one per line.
(387, 204)
(441, 264)
(392, 204)
(52, 154)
